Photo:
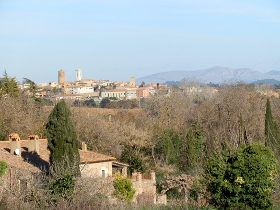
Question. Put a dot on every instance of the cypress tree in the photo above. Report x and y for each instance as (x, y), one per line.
(62, 142)
(198, 135)
(272, 134)
(191, 147)
(242, 133)
(187, 146)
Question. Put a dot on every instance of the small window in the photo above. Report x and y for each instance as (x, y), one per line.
(103, 173)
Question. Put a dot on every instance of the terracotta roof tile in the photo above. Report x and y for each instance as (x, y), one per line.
(36, 163)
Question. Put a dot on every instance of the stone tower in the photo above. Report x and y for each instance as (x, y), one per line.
(78, 74)
(61, 77)
(132, 82)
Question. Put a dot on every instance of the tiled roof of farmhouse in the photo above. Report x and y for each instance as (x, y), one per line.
(35, 163)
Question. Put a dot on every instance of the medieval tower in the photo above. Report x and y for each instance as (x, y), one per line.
(132, 82)
(61, 77)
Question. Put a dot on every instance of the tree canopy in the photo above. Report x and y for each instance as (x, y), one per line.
(9, 86)
(272, 133)
(245, 179)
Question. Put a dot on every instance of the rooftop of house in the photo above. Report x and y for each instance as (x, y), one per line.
(37, 162)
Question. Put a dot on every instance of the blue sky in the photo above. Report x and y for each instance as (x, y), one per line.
(114, 39)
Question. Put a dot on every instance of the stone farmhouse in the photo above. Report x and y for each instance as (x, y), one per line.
(32, 155)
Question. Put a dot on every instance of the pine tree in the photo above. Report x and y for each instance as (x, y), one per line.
(62, 141)
(9, 86)
(272, 134)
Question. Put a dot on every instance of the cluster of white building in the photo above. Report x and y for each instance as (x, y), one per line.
(85, 88)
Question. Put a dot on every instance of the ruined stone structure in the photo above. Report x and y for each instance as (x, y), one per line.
(145, 186)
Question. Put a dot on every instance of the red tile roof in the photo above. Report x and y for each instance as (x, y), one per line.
(26, 160)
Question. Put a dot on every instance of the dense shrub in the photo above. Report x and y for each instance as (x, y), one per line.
(123, 188)
(123, 104)
(89, 103)
(196, 189)
(3, 167)
(104, 102)
(244, 179)
(130, 156)
(168, 146)
(63, 187)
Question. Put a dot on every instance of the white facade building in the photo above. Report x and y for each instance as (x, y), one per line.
(115, 93)
(131, 93)
(80, 90)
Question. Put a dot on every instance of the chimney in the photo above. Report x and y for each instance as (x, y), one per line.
(84, 146)
(15, 148)
(153, 176)
(34, 144)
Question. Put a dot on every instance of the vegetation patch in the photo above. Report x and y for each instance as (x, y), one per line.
(3, 168)
(245, 179)
(123, 188)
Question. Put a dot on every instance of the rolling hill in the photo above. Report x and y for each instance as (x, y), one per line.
(217, 75)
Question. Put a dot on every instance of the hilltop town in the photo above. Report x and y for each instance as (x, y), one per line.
(82, 89)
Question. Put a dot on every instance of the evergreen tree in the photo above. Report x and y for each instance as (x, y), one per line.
(130, 156)
(9, 86)
(3, 131)
(242, 133)
(62, 141)
(32, 86)
(168, 146)
(187, 147)
(191, 148)
(198, 139)
(272, 134)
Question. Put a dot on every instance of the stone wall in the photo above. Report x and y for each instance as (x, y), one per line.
(94, 170)
(145, 187)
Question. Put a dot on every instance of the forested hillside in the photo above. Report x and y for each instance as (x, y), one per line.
(198, 145)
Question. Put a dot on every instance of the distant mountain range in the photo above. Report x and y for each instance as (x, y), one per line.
(217, 75)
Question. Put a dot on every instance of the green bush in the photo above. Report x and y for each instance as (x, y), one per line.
(63, 187)
(168, 146)
(3, 167)
(244, 179)
(130, 156)
(123, 188)
(104, 102)
(196, 189)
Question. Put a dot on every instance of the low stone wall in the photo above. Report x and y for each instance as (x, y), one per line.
(145, 187)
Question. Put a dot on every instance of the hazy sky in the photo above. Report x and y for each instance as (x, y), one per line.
(114, 39)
